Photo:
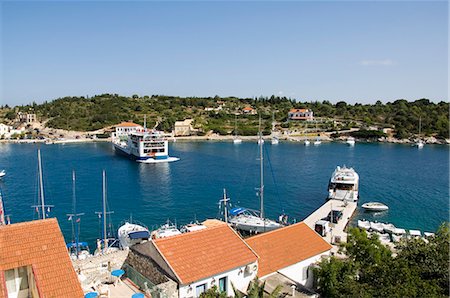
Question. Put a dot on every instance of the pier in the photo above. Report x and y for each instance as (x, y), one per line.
(338, 233)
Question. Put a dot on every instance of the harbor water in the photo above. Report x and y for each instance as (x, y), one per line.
(413, 183)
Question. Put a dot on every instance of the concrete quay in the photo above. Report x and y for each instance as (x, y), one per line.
(338, 232)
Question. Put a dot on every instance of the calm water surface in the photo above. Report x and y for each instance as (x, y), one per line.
(413, 183)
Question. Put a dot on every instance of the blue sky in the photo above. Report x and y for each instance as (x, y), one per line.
(353, 51)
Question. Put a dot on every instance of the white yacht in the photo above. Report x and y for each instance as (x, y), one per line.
(275, 141)
(2, 174)
(419, 144)
(144, 146)
(306, 142)
(344, 184)
(236, 138)
(317, 142)
(375, 206)
(166, 230)
(130, 234)
(350, 141)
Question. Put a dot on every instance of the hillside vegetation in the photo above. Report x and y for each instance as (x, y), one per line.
(88, 114)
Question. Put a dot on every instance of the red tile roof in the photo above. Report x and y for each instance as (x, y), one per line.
(128, 124)
(248, 109)
(197, 255)
(286, 246)
(299, 110)
(40, 245)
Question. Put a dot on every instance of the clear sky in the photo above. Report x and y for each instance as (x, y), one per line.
(339, 50)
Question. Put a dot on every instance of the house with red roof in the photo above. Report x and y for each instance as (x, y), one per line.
(198, 260)
(34, 261)
(125, 128)
(249, 111)
(289, 251)
(301, 114)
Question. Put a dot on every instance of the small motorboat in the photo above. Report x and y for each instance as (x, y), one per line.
(389, 228)
(275, 141)
(131, 234)
(166, 230)
(377, 227)
(375, 206)
(2, 174)
(306, 142)
(364, 224)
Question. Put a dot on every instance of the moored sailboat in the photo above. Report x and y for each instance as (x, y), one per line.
(248, 220)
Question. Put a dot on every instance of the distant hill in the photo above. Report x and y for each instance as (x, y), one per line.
(218, 113)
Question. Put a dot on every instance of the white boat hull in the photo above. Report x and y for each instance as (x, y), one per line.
(375, 207)
(125, 230)
(253, 224)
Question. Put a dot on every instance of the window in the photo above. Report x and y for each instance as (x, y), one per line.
(223, 284)
(17, 282)
(200, 289)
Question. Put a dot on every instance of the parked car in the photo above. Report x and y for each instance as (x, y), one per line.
(334, 216)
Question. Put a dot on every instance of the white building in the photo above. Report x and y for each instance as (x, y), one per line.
(289, 251)
(183, 128)
(126, 128)
(301, 114)
(199, 260)
(26, 118)
(4, 130)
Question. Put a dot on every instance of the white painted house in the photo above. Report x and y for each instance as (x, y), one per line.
(289, 251)
(125, 128)
(199, 260)
(4, 130)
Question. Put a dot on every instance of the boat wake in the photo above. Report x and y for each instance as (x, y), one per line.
(151, 160)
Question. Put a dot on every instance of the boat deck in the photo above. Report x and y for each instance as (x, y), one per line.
(338, 233)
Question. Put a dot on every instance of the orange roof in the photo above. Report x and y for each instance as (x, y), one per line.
(299, 110)
(209, 223)
(40, 245)
(248, 109)
(197, 255)
(128, 124)
(286, 246)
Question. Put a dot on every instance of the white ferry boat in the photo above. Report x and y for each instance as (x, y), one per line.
(344, 184)
(146, 146)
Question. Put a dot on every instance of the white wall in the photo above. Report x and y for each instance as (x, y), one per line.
(238, 277)
(298, 272)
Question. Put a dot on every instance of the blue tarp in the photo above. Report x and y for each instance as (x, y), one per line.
(139, 235)
(80, 244)
(237, 211)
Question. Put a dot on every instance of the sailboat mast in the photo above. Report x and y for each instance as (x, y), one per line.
(225, 200)
(261, 189)
(74, 202)
(105, 240)
(41, 184)
(2, 210)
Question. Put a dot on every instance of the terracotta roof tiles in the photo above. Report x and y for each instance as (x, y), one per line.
(197, 255)
(286, 246)
(40, 245)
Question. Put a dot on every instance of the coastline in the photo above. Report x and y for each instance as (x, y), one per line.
(220, 138)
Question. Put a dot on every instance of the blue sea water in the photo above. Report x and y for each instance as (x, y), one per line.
(413, 183)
